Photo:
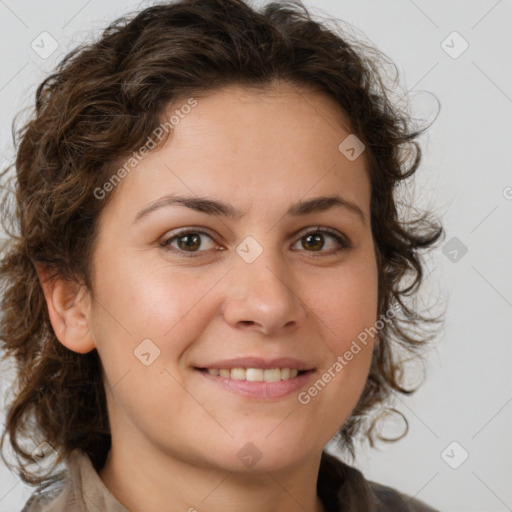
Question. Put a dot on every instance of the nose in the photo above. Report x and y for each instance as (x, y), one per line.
(261, 296)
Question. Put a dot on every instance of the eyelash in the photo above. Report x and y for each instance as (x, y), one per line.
(344, 244)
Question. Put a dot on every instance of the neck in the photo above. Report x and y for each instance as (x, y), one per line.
(166, 483)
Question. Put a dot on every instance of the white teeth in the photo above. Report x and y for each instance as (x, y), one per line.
(238, 373)
(255, 374)
(272, 375)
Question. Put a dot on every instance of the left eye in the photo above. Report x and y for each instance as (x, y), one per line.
(314, 241)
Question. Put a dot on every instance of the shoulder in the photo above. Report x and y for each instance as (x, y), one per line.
(73, 489)
(51, 499)
(62, 492)
(343, 487)
(391, 500)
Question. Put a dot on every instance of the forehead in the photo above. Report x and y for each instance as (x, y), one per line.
(238, 119)
(243, 144)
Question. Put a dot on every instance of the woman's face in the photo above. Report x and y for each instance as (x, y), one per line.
(258, 277)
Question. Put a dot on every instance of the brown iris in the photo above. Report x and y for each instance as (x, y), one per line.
(315, 242)
(193, 242)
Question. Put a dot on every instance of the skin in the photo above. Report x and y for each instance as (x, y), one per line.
(174, 433)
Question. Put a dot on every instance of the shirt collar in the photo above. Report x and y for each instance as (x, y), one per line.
(88, 485)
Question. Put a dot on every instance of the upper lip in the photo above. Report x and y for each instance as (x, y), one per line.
(258, 362)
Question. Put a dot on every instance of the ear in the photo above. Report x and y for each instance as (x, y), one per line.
(69, 310)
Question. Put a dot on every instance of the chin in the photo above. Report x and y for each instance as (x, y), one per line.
(260, 454)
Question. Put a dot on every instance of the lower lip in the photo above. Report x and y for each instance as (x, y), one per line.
(261, 389)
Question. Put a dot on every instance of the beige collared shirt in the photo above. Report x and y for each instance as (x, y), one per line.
(82, 491)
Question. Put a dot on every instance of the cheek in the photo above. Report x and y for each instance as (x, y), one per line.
(346, 308)
(135, 303)
(346, 304)
(155, 311)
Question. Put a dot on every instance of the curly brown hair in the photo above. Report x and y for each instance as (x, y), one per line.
(102, 102)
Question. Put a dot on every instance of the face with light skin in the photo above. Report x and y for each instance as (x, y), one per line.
(175, 432)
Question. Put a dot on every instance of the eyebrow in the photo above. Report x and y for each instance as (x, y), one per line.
(220, 208)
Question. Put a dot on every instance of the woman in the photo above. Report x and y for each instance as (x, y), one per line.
(207, 282)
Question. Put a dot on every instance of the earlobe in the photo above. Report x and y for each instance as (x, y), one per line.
(69, 310)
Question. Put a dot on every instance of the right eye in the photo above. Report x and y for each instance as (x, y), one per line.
(187, 241)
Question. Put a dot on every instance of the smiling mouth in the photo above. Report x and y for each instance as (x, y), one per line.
(259, 384)
(255, 374)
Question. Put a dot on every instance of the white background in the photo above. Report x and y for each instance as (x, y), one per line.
(467, 396)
